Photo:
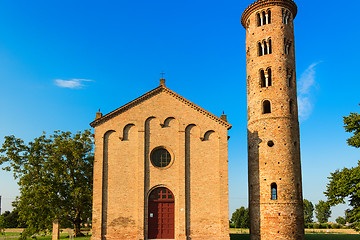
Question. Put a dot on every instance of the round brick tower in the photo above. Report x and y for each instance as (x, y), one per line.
(275, 189)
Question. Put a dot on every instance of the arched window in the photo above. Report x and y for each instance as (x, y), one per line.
(270, 46)
(289, 77)
(263, 18)
(260, 49)
(258, 19)
(273, 191)
(269, 16)
(265, 48)
(266, 107)
(262, 78)
(269, 82)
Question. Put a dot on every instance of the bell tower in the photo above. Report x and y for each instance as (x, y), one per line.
(275, 189)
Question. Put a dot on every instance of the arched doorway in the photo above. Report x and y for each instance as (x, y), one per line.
(161, 214)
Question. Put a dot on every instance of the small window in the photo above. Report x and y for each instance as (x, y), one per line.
(270, 143)
(262, 78)
(269, 83)
(270, 47)
(266, 48)
(260, 49)
(269, 16)
(258, 19)
(266, 107)
(160, 157)
(273, 191)
(263, 18)
(291, 106)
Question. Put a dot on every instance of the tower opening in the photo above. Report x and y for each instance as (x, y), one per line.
(258, 19)
(273, 191)
(269, 82)
(269, 16)
(260, 49)
(266, 107)
(262, 78)
(270, 47)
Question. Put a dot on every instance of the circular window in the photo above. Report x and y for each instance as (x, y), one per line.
(270, 143)
(160, 157)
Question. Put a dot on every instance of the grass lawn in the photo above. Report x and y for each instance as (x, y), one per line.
(307, 237)
(14, 235)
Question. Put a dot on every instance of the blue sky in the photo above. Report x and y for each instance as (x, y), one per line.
(60, 61)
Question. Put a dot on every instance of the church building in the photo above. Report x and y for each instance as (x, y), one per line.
(160, 171)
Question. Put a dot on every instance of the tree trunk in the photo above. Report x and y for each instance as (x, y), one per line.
(77, 223)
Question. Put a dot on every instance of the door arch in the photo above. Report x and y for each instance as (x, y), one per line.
(161, 217)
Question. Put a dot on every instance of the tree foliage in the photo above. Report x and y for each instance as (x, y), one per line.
(322, 211)
(308, 211)
(54, 174)
(352, 125)
(345, 184)
(241, 218)
(11, 219)
(341, 220)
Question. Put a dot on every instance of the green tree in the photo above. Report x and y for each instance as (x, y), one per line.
(322, 211)
(352, 125)
(340, 220)
(241, 218)
(345, 183)
(308, 211)
(54, 174)
(2, 225)
(11, 219)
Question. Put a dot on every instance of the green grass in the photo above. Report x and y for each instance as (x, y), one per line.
(308, 237)
(47, 237)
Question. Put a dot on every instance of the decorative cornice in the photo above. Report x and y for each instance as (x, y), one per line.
(150, 94)
(290, 4)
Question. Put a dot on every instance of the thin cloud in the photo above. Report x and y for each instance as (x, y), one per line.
(75, 83)
(306, 83)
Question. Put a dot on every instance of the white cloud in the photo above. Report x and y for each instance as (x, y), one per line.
(305, 84)
(73, 83)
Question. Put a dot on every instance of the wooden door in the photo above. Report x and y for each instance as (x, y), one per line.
(161, 214)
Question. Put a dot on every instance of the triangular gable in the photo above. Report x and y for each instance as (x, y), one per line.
(150, 94)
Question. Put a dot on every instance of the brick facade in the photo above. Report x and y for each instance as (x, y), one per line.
(273, 127)
(124, 175)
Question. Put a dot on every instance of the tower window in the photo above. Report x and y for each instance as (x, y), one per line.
(291, 106)
(265, 47)
(287, 45)
(263, 18)
(289, 77)
(273, 191)
(262, 78)
(265, 78)
(285, 16)
(266, 107)
(269, 77)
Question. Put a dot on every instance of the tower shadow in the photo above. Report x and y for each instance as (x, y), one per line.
(254, 184)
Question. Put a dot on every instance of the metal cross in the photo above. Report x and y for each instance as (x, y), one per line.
(162, 75)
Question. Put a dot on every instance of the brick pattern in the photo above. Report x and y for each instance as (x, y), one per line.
(197, 176)
(280, 219)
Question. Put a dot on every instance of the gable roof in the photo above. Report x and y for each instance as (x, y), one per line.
(150, 94)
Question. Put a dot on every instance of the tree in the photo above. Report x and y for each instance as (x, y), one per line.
(54, 174)
(241, 218)
(352, 125)
(11, 219)
(340, 220)
(322, 211)
(308, 211)
(344, 184)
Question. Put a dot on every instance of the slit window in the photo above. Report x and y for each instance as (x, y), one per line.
(273, 191)
(266, 107)
(291, 106)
